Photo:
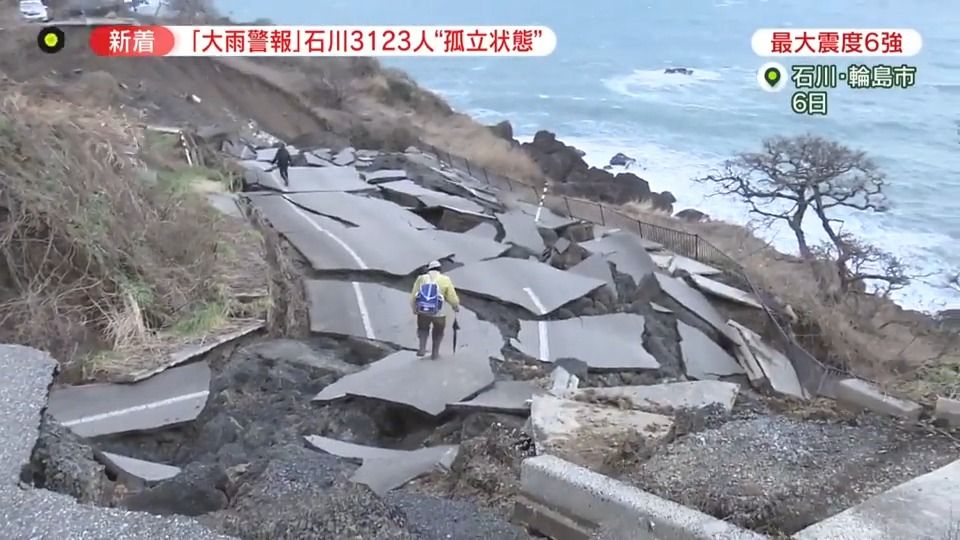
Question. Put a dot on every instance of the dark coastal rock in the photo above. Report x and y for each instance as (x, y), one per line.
(692, 215)
(679, 70)
(546, 142)
(504, 130)
(622, 160)
(635, 185)
(574, 178)
(555, 159)
(663, 202)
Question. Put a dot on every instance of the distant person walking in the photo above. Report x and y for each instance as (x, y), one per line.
(282, 161)
(427, 298)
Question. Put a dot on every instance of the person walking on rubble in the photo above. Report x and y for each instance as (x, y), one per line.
(282, 161)
(427, 298)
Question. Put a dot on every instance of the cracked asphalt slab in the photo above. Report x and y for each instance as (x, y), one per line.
(41, 514)
(358, 232)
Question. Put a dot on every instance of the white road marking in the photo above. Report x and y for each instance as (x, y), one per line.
(361, 301)
(544, 339)
(136, 408)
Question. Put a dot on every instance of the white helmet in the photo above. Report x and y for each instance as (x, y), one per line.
(434, 265)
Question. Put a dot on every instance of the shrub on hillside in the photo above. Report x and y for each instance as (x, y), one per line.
(91, 249)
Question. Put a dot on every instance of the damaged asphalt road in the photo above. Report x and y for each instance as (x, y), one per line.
(346, 434)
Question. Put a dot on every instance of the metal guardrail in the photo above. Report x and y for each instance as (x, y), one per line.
(816, 377)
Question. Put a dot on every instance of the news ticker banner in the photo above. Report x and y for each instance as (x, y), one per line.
(144, 40)
(134, 41)
(813, 81)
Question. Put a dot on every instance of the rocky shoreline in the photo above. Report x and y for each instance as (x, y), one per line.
(572, 176)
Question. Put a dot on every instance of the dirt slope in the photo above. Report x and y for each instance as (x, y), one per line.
(309, 100)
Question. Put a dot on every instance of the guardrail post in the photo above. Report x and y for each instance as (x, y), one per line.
(603, 220)
(566, 202)
(640, 228)
(467, 161)
(696, 246)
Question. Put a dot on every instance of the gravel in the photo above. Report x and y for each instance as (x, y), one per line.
(298, 493)
(27, 375)
(778, 474)
(40, 514)
(461, 520)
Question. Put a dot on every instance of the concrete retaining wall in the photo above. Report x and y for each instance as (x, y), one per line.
(922, 508)
(859, 394)
(583, 496)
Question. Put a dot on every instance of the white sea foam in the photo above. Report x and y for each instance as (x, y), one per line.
(673, 170)
(641, 81)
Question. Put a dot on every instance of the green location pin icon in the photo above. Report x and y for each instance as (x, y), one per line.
(772, 76)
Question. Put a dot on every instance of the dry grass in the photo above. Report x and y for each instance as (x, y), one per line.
(93, 252)
(381, 108)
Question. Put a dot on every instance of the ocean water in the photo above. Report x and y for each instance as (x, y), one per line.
(604, 91)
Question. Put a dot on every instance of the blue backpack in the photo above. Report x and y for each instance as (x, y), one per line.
(429, 300)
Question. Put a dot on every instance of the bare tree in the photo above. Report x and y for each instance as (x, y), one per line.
(793, 178)
(859, 262)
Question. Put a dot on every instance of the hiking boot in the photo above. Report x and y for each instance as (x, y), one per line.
(421, 353)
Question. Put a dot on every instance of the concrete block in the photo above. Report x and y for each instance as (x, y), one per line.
(948, 410)
(585, 496)
(669, 396)
(859, 394)
(587, 433)
(922, 508)
(550, 523)
(563, 382)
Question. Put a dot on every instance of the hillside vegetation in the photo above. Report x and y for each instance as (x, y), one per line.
(92, 250)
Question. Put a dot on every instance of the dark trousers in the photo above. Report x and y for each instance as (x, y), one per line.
(283, 174)
(427, 325)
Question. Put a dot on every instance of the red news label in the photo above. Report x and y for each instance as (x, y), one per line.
(836, 42)
(131, 40)
(360, 41)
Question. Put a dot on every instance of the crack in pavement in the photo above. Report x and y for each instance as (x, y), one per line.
(361, 301)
